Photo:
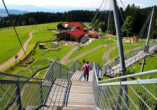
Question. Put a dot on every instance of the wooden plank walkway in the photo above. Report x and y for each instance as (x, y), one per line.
(73, 95)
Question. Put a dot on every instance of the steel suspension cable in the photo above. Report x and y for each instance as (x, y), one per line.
(97, 24)
(125, 28)
(97, 13)
(103, 40)
(16, 33)
(108, 19)
(122, 4)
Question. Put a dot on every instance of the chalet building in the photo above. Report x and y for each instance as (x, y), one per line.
(73, 31)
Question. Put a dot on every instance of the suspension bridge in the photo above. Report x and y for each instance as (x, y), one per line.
(64, 88)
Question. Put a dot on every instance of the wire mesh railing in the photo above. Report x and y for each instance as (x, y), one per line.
(120, 94)
(114, 67)
(19, 92)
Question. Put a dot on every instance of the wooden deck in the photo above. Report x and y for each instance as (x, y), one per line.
(73, 95)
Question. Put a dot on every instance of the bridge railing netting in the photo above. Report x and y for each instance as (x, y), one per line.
(24, 92)
(125, 93)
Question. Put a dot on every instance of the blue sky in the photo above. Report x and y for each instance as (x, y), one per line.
(77, 3)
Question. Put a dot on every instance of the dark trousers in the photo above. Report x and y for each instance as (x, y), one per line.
(86, 76)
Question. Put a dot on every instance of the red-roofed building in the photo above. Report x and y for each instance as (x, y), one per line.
(71, 35)
(76, 33)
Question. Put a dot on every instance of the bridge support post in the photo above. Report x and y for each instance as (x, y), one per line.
(121, 55)
(146, 50)
(18, 96)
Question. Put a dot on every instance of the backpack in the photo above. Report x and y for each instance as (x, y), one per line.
(86, 69)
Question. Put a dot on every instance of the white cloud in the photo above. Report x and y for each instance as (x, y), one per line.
(69, 3)
(77, 3)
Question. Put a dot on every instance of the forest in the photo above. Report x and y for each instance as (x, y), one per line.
(134, 18)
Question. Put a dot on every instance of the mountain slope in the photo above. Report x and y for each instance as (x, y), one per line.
(3, 12)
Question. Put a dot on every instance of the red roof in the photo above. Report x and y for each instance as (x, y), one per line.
(77, 33)
(72, 23)
(93, 34)
(74, 27)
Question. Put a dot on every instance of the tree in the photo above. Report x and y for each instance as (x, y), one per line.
(95, 25)
(14, 22)
(18, 23)
(128, 24)
(23, 22)
(30, 20)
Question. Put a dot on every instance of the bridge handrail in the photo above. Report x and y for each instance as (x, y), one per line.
(17, 76)
(130, 76)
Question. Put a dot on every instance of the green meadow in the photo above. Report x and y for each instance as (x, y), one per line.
(53, 54)
(96, 56)
(115, 52)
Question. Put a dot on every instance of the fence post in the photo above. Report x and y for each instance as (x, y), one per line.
(41, 96)
(80, 66)
(98, 99)
(67, 74)
(73, 67)
(52, 74)
(18, 95)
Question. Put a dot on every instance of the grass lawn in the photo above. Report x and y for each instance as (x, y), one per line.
(96, 56)
(41, 74)
(10, 45)
(92, 45)
(115, 52)
(53, 54)
(18, 69)
(37, 65)
(86, 24)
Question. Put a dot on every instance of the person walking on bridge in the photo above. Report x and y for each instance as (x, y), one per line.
(86, 69)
